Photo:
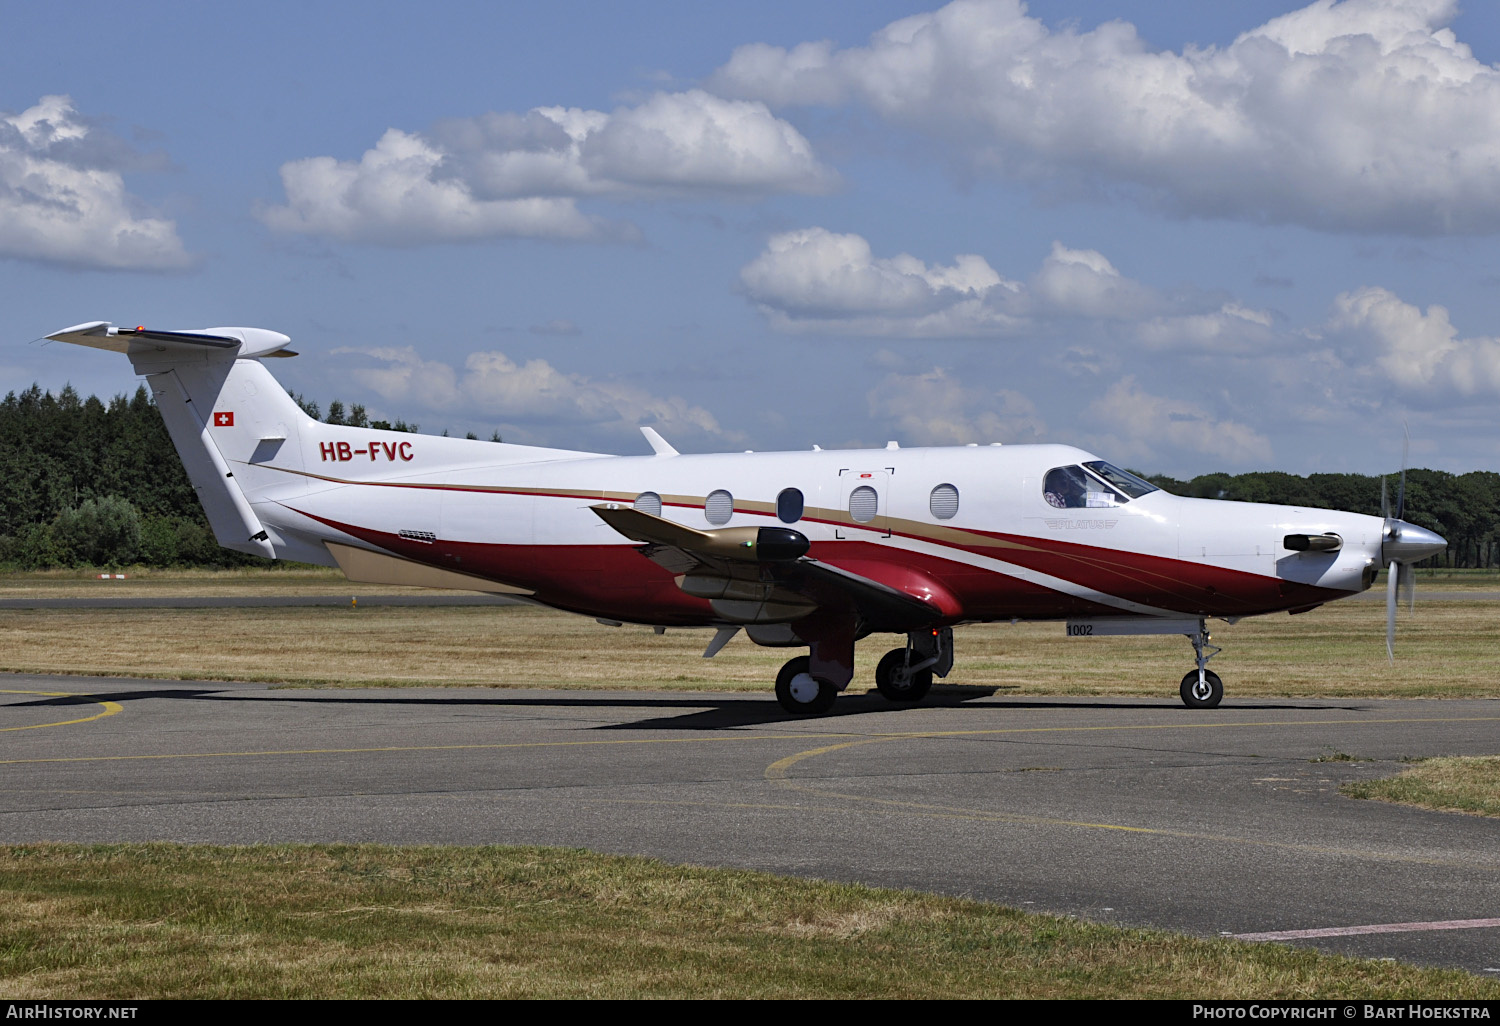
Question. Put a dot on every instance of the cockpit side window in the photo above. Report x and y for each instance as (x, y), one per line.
(1065, 487)
(1073, 488)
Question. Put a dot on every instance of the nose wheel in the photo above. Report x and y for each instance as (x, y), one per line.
(801, 693)
(1202, 692)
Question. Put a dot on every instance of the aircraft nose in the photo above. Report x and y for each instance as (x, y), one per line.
(1407, 543)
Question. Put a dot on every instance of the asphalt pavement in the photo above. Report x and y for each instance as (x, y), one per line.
(1131, 811)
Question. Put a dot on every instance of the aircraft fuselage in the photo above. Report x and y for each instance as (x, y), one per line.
(1005, 553)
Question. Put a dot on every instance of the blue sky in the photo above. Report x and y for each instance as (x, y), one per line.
(1189, 236)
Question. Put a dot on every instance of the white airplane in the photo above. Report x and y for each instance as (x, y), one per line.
(810, 550)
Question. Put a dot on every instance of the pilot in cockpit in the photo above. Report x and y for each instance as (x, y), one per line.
(1065, 488)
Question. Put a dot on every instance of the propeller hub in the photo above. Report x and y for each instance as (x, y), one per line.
(1407, 543)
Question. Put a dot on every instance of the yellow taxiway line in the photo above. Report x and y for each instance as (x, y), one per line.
(110, 708)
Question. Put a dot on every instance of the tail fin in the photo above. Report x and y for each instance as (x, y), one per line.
(208, 380)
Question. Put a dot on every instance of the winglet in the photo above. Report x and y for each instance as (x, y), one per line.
(659, 445)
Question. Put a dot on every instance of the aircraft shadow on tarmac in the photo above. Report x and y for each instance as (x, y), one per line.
(697, 712)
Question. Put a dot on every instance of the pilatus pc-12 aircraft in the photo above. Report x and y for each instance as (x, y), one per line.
(811, 550)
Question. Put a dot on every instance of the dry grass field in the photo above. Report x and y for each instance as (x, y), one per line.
(139, 582)
(1451, 647)
(338, 921)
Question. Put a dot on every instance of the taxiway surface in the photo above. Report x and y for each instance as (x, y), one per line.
(1133, 811)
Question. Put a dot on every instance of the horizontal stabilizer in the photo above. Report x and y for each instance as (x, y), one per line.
(243, 342)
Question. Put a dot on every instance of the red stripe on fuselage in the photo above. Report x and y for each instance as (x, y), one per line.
(617, 582)
(1160, 581)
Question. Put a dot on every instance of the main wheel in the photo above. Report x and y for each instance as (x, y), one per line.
(1204, 694)
(800, 692)
(897, 685)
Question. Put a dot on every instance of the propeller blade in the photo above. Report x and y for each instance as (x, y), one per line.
(1392, 576)
(1385, 502)
(1401, 491)
(1408, 587)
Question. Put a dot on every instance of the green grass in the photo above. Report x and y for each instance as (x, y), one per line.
(1453, 784)
(171, 921)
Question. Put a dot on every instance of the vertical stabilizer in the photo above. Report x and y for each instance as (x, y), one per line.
(188, 419)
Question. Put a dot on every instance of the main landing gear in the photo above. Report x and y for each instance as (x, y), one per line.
(903, 674)
(799, 691)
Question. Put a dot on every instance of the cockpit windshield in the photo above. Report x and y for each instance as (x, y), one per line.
(1123, 480)
(1099, 486)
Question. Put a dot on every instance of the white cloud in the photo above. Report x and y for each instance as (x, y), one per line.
(695, 141)
(935, 409)
(493, 386)
(393, 196)
(1081, 282)
(63, 200)
(1141, 426)
(1420, 353)
(1365, 115)
(814, 280)
(1232, 328)
(520, 175)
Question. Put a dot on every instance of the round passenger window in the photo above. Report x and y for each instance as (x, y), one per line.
(864, 503)
(718, 507)
(789, 506)
(649, 502)
(944, 502)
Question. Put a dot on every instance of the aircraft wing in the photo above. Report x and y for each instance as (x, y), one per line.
(770, 564)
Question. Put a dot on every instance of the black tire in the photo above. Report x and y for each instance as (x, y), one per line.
(1192, 696)
(914, 689)
(794, 694)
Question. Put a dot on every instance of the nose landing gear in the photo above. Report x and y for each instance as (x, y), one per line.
(1202, 688)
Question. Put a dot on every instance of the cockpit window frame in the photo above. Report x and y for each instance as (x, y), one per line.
(1120, 480)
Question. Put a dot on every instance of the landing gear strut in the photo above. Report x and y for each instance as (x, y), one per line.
(1202, 688)
(905, 674)
(808, 684)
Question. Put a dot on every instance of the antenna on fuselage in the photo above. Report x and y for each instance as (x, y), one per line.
(659, 445)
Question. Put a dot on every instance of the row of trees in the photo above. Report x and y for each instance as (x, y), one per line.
(85, 483)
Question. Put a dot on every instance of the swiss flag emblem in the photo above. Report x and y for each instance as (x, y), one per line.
(225, 419)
